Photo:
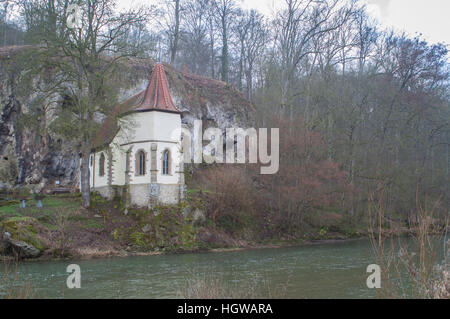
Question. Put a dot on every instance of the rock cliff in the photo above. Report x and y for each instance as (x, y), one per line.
(34, 155)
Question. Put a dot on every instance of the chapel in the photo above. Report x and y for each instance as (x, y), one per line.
(141, 158)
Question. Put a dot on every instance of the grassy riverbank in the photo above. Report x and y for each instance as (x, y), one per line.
(60, 229)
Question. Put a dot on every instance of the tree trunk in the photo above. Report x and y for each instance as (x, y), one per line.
(224, 51)
(241, 67)
(84, 180)
(211, 38)
(176, 33)
(249, 81)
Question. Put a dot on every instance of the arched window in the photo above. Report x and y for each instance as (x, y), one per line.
(101, 170)
(140, 163)
(165, 162)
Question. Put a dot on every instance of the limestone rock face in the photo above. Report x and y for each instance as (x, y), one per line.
(39, 158)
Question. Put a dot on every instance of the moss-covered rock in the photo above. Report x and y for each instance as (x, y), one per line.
(23, 229)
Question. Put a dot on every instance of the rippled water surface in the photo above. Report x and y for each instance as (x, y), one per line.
(318, 271)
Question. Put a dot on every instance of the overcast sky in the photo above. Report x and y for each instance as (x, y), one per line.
(429, 17)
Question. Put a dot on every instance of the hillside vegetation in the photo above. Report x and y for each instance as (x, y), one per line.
(362, 111)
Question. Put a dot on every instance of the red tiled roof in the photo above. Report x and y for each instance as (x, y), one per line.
(157, 95)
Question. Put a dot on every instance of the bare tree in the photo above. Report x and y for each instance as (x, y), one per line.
(225, 11)
(174, 29)
(212, 41)
(83, 59)
(194, 41)
(302, 21)
(253, 35)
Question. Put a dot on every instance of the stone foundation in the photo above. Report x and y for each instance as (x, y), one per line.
(169, 193)
(109, 192)
(145, 195)
(104, 191)
(139, 195)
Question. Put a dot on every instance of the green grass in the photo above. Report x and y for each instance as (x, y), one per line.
(50, 203)
(93, 224)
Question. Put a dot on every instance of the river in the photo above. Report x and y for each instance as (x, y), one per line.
(336, 270)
